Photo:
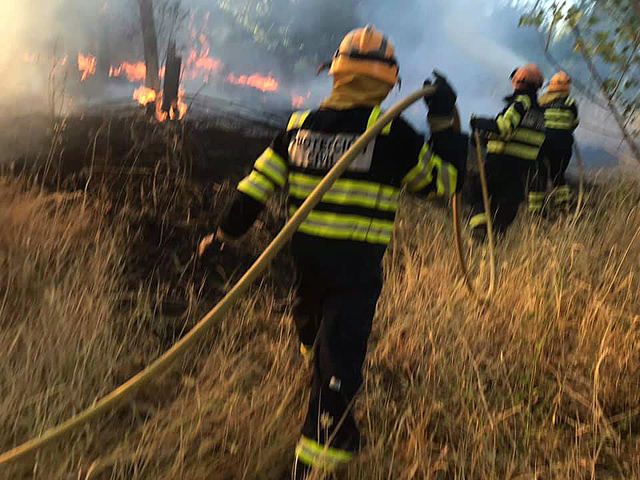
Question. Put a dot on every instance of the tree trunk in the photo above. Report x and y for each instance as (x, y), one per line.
(171, 82)
(149, 37)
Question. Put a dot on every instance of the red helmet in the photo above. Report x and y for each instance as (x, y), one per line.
(526, 77)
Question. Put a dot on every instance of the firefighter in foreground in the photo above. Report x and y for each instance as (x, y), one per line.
(515, 138)
(561, 119)
(338, 249)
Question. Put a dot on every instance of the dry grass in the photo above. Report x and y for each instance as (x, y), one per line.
(542, 384)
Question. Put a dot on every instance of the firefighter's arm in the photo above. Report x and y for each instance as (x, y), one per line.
(507, 121)
(574, 109)
(269, 174)
(441, 164)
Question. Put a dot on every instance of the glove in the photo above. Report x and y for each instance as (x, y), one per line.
(217, 239)
(443, 101)
(482, 124)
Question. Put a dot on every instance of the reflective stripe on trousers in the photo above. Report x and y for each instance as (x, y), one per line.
(478, 220)
(313, 454)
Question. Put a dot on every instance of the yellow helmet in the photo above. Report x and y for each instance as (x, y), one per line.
(560, 83)
(366, 51)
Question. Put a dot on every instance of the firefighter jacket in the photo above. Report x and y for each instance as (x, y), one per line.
(361, 206)
(519, 130)
(560, 117)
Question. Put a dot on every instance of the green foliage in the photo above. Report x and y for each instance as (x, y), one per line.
(606, 34)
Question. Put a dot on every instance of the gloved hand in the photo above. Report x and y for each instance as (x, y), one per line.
(443, 101)
(217, 239)
(482, 124)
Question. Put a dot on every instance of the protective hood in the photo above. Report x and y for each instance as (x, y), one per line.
(552, 97)
(352, 91)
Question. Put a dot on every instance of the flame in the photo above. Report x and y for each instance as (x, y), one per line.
(135, 72)
(259, 82)
(86, 65)
(145, 96)
(200, 65)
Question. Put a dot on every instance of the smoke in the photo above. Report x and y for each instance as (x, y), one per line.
(475, 44)
(465, 40)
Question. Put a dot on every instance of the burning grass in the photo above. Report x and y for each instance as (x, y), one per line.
(543, 383)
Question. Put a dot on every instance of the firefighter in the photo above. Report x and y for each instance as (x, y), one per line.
(561, 119)
(515, 138)
(338, 249)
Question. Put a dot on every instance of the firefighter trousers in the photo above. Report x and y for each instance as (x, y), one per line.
(338, 285)
(557, 156)
(508, 179)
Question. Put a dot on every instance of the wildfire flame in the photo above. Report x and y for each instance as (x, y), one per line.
(259, 82)
(198, 64)
(86, 65)
(146, 96)
(134, 72)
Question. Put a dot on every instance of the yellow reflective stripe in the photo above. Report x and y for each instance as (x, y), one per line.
(508, 121)
(272, 165)
(531, 137)
(524, 99)
(561, 125)
(346, 227)
(347, 192)
(536, 200)
(421, 174)
(257, 186)
(558, 112)
(315, 455)
(562, 194)
(447, 177)
(560, 119)
(478, 220)
(373, 118)
(526, 152)
(297, 120)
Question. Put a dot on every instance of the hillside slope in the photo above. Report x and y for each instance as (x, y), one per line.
(543, 383)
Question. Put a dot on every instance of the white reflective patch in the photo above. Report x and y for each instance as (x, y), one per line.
(322, 151)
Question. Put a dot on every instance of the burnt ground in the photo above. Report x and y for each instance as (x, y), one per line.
(165, 184)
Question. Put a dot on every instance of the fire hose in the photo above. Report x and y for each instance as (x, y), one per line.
(581, 175)
(162, 364)
(482, 298)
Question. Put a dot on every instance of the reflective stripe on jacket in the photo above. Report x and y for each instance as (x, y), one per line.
(561, 113)
(362, 204)
(520, 130)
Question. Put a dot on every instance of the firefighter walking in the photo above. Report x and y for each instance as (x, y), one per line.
(515, 138)
(561, 120)
(338, 249)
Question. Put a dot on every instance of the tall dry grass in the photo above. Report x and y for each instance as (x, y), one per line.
(64, 338)
(543, 383)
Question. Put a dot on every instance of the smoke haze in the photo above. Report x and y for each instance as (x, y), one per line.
(476, 44)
